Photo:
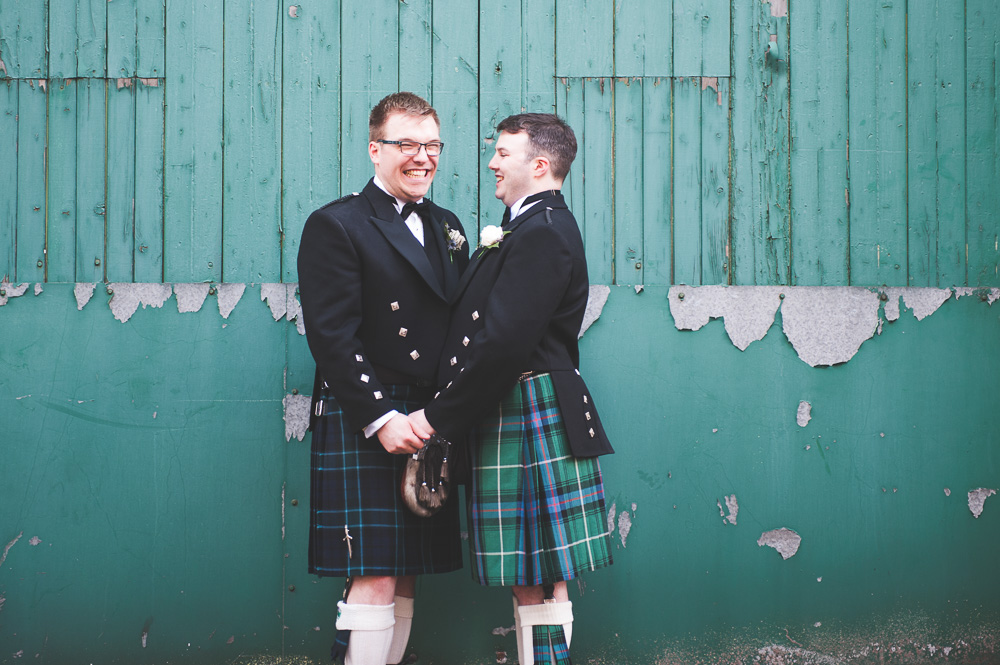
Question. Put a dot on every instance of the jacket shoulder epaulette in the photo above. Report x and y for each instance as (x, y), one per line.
(340, 200)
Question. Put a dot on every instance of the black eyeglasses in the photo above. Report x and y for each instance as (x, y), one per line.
(433, 148)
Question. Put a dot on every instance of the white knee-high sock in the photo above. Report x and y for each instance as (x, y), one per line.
(401, 632)
(371, 632)
(546, 614)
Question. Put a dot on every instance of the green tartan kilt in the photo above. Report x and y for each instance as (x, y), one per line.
(536, 513)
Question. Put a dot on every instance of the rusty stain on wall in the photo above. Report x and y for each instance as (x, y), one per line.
(784, 540)
(977, 498)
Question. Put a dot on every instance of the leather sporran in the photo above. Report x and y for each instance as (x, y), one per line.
(426, 481)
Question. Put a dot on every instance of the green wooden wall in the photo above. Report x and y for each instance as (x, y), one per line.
(154, 485)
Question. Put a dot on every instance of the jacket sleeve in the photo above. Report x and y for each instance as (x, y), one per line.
(536, 271)
(331, 290)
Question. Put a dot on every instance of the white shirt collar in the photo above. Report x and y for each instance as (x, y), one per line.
(396, 202)
(517, 208)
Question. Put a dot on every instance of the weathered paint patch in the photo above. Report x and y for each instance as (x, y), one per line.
(747, 311)
(713, 83)
(502, 631)
(779, 8)
(923, 301)
(994, 295)
(803, 414)
(777, 654)
(595, 305)
(624, 527)
(8, 291)
(977, 498)
(296, 416)
(229, 296)
(612, 513)
(38, 289)
(293, 11)
(963, 291)
(11, 544)
(126, 298)
(827, 325)
(283, 303)
(733, 506)
(83, 292)
(785, 541)
(35, 541)
(190, 297)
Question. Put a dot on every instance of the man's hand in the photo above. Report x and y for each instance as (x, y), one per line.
(400, 436)
(419, 421)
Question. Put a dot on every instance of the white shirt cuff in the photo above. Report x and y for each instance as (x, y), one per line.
(375, 426)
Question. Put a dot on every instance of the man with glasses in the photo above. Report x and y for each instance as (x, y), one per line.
(376, 274)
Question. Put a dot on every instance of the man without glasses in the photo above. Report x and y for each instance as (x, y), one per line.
(376, 272)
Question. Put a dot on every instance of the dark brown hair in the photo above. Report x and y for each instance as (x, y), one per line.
(548, 135)
(397, 102)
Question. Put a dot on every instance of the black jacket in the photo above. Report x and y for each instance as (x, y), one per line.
(371, 301)
(519, 308)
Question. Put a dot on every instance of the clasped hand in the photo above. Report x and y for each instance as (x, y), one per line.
(405, 435)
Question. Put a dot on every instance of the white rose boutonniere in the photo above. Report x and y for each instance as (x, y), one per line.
(491, 236)
(454, 239)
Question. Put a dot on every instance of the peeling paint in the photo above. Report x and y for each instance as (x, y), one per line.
(947, 492)
(779, 8)
(296, 416)
(732, 506)
(35, 541)
(963, 291)
(83, 292)
(152, 83)
(747, 311)
(624, 526)
(38, 288)
(229, 296)
(293, 11)
(10, 545)
(923, 301)
(612, 513)
(803, 414)
(9, 291)
(785, 541)
(502, 631)
(827, 325)
(127, 297)
(596, 300)
(283, 303)
(777, 654)
(713, 83)
(124, 83)
(190, 297)
(994, 295)
(976, 500)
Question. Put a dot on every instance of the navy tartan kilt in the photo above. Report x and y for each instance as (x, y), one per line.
(355, 485)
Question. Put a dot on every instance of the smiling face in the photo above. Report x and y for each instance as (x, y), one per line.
(516, 172)
(407, 177)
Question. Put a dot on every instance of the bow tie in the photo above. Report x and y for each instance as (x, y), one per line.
(419, 208)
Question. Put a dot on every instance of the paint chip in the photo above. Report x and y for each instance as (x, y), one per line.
(38, 288)
(803, 414)
(827, 325)
(785, 541)
(993, 296)
(296, 416)
(747, 311)
(126, 297)
(923, 301)
(83, 292)
(596, 300)
(190, 297)
(10, 291)
(229, 296)
(35, 541)
(624, 526)
(732, 506)
(977, 498)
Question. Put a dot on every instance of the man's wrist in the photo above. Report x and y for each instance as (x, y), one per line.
(373, 427)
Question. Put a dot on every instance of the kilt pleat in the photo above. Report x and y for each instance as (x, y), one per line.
(358, 523)
(537, 513)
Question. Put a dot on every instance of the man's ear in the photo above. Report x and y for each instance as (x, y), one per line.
(540, 167)
(373, 151)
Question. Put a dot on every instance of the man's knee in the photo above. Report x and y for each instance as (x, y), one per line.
(372, 590)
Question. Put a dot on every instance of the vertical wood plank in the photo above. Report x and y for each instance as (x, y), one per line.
(539, 48)
(501, 70)
(8, 175)
(92, 38)
(91, 205)
(761, 226)
(877, 131)
(149, 133)
(61, 208)
(149, 38)
(120, 218)
(598, 232)
(643, 38)
(701, 38)
(31, 105)
(569, 106)
(455, 97)
(62, 38)
(819, 117)
(251, 120)
(687, 159)
(657, 244)
(193, 141)
(628, 180)
(715, 180)
(936, 156)
(122, 32)
(311, 132)
(23, 36)
(585, 38)
(983, 142)
(415, 48)
(368, 75)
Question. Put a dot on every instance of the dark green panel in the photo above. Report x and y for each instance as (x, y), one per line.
(761, 242)
(819, 117)
(936, 144)
(121, 173)
(62, 209)
(8, 177)
(31, 104)
(193, 142)
(877, 128)
(310, 133)
(251, 212)
(982, 141)
(91, 200)
(149, 203)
